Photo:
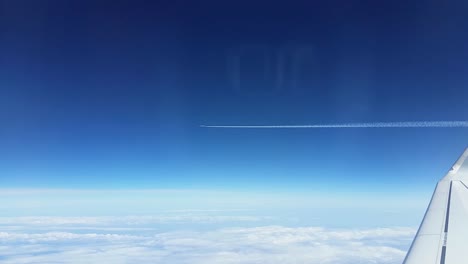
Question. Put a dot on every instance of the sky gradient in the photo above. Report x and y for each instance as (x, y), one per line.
(105, 153)
(101, 95)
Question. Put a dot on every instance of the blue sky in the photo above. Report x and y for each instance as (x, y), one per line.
(102, 156)
(101, 96)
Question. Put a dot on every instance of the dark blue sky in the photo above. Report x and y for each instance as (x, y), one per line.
(111, 93)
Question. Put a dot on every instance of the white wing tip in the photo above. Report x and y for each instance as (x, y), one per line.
(460, 161)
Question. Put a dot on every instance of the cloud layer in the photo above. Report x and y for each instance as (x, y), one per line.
(264, 244)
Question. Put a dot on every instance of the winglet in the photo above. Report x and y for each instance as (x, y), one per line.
(459, 162)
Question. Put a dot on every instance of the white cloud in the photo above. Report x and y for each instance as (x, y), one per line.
(266, 244)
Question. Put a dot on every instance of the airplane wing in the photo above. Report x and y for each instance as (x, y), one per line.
(442, 237)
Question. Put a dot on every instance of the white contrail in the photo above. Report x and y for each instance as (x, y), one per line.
(414, 124)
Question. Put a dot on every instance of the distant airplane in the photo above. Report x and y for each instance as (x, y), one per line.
(442, 237)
